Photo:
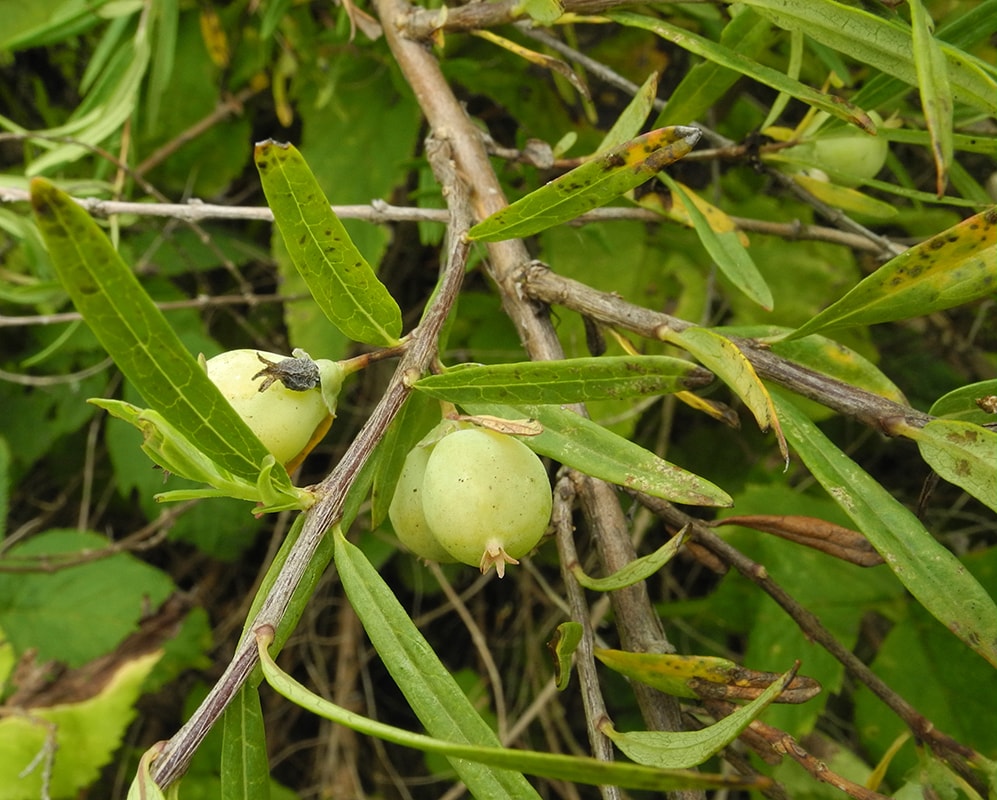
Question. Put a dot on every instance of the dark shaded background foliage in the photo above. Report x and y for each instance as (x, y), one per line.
(344, 103)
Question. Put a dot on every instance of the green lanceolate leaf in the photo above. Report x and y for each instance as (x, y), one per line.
(725, 358)
(338, 276)
(629, 123)
(949, 269)
(726, 250)
(562, 646)
(493, 760)
(748, 35)
(886, 45)
(929, 571)
(136, 335)
(962, 453)
(731, 59)
(589, 186)
(245, 768)
(590, 448)
(637, 570)
(936, 91)
(428, 686)
(682, 750)
(704, 676)
(569, 381)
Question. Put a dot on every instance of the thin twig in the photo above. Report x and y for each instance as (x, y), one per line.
(956, 755)
(541, 283)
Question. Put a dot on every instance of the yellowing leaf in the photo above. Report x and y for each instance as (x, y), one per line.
(214, 37)
(723, 357)
(844, 197)
(85, 736)
(589, 186)
(949, 269)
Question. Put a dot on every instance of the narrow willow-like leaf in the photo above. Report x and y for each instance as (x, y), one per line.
(338, 276)
(930, 572)
(497, 760)
(936, 92)
(725, 249)
(590, 448)
(747, 35)
(888, 46)
(843, 197)
(704, 676)
(731, 59)
(725, 358)
(949, 269)
(962, 453)
(686, 749)
(637, 570)
(245, 768)
(589, 186)
(569, 381)
(428, 686)
(137, 336)
(823, 355)
(967, 403)
(629, 123)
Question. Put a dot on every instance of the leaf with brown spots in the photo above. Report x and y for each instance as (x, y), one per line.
(962, 453)
(338, 276)
(949, 269)
(593, 184)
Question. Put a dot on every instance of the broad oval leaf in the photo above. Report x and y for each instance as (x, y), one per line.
(137, 336)
(566, 381)
(589, 186)
(929, 571)
(951, 268)
(339, 278)
(583, 445)
(962, 453)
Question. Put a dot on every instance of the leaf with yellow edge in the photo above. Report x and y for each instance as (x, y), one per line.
(84, 736)
(718, 220)
(949, 269)
(703, 676)
(725, 359)
(593, 184)
(725, 248)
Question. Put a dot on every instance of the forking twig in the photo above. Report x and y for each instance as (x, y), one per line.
(333, 490)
